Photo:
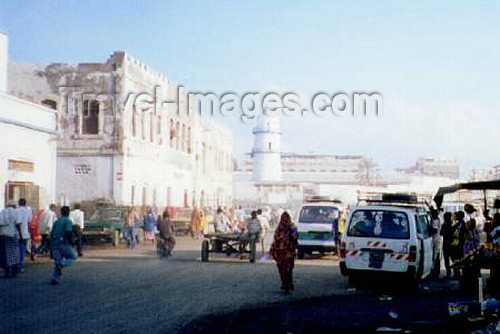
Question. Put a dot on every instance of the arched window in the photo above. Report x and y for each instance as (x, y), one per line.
(90, 119)
(49, 104)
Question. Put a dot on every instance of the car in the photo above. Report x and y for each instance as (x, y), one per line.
(105, 225)
(182, 221)
(317, 226)
(387, 237)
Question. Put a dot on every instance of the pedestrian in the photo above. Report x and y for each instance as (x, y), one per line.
(44, 227)
(221, 224)
(283, 251)
(129, 228)
(9, 240)
(24, 217)
(35, 236)
(149, 226)
(264, 223)
(61, 242)
(166, 240)
(78, 220)
(447, 232)
(458, 241)
(435, 230)
(195, 225)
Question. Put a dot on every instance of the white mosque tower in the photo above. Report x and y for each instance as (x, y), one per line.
(266, 151)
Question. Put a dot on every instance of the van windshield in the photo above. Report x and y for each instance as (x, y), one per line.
(319, 214)
(379, 224)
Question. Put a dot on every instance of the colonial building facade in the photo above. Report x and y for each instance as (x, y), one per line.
(129, 134)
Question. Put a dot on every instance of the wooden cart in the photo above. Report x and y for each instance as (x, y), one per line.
(229, 244)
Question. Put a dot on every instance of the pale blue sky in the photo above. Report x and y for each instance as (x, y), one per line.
(436, 65)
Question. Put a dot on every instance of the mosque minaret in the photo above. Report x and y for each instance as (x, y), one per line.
(266, 151)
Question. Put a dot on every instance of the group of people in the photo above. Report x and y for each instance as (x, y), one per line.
(43, 231)
(456, 234)
(152, 225)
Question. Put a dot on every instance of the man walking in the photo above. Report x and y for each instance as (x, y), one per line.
(24, 217)
(61, 244)
(45, 226)
(264, 224)
(9, 240)
(77, 218)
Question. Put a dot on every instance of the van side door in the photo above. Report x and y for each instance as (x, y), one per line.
(425, 240)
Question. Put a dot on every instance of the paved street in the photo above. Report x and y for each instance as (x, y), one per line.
(115, 290)
(120, 290)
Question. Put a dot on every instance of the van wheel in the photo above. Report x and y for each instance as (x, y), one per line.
(300, 253)
(353, 281)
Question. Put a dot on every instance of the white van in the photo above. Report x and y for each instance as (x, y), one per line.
(317, 226)
(388, 238)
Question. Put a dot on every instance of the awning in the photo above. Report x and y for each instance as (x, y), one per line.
(482, 185)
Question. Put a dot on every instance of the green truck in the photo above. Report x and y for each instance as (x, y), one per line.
(105, 225)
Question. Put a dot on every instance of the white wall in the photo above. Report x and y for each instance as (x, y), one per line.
(27, 133)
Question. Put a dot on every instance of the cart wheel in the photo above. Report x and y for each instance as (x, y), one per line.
(204, 251)
(300, 253)
(253, 251)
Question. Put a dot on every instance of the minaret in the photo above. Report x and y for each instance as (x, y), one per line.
(266, 151)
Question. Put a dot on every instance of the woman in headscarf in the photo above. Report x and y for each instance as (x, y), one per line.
(283, 251)
(195, 224)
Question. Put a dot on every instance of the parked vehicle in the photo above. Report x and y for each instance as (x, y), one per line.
(105, 225)
(317, 226)
(182, 221)
(390, 235)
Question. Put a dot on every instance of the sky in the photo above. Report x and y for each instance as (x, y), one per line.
(436, 65)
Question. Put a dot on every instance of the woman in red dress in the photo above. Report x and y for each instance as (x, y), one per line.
(283, 251)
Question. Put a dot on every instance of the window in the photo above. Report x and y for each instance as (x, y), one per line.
(177, 139)
(169, 196)
(185, 198)
(318, 214)
(90, 119)
(423, 226)
(183, 138)
(189, 140)
(143, 126)
(379, 224)
(144, 196)
(134, 121)
(21, 166)
(172, 133)
(159, 128)
(151, 128)
(49, 104)
(270, 146)
(132, 195)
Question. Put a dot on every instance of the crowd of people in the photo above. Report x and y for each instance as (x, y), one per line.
(456, 234)
(23, 232)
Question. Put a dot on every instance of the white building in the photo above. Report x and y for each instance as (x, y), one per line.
(28, 150)
(115, 148)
